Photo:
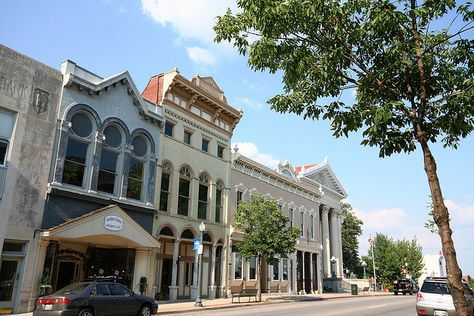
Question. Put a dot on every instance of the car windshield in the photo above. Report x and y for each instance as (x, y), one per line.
(74, 288)
(435, 288)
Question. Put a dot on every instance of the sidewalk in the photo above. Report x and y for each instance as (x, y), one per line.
(220, 303)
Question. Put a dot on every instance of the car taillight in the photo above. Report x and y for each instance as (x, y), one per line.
(421, 312)
(419, 296)
(53, 300)
(407, 285)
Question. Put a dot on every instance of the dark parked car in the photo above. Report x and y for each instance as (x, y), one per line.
(95, 299)
(405, 286)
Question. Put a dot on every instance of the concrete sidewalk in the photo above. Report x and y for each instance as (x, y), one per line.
(166, 307)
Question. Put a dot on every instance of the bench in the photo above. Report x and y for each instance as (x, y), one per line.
(245, 293)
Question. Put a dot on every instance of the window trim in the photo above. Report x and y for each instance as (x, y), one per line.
(172, 125)
(190, 133)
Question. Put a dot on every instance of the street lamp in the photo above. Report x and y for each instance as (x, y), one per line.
(333, 266)
(364, 265)
(198, 302)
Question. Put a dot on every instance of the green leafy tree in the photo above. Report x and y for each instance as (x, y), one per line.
(266, 233)
(391, 256)
(350, 231)
(414, 84)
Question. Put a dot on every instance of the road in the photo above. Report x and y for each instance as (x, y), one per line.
(361, 306)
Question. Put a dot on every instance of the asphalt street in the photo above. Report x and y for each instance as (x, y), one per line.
(360, 306)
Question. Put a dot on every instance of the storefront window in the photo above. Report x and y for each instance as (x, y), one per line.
(276, 271)
(253, 268)
(238, 266)
(285, 269)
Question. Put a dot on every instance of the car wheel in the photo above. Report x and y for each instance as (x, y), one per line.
(145, 311)
(396, 293)
(86, 312)
(404, 293)
(411, 292)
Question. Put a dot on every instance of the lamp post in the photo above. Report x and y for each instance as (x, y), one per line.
(198, 302)
(333, 266)
(364, 265)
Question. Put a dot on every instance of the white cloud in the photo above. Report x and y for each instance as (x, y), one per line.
(461, 214)
(248, 102)
(201, 56)
(382, 220)
(251, 151)
(191, 19)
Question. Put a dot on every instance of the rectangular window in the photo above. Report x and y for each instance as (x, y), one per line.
(3, 152)
(302, 224)
(220, 151)
(205, 145)
(311, 218)
(165, 191)
(107, 171)
(75, 162)
(187, 137)
(290, 216)
(135, 179)
(238, 266)
(239, 197)
(285, 269)
(218, 205)
(169, 128)
(253, 268)
(276, 271)
(183, 198)
(202, 203)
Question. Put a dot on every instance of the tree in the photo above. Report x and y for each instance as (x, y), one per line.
(391, 256)
(414, 84)
(350, 231)
(266, 233)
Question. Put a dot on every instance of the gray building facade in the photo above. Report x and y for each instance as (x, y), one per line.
(29, 98)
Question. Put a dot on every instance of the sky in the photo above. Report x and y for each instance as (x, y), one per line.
(390, 195)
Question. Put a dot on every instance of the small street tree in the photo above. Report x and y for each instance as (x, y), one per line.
(350, 231)
(392, 257)
(409, 62)
(266, 233)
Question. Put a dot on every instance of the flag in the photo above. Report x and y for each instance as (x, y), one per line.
(370, 240)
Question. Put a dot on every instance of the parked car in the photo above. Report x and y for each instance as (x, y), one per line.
(95, 299)
(434, 298)
(405, 286)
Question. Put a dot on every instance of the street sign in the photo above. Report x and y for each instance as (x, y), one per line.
(200, 250)
(197, 243)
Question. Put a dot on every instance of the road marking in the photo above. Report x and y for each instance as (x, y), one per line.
(377, 306)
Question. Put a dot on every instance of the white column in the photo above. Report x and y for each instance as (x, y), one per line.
(339, 238)
(174, 274)
(294, 265)
(326, 245)
(193, 199)
(141, 268)
(320, 273)
(333, 241)
(229, 271)
(223, 275)
(212, 286)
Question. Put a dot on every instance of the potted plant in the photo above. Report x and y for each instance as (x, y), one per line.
(142, 285)
(45, 285)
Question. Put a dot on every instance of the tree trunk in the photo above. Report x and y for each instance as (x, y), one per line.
(441, 218)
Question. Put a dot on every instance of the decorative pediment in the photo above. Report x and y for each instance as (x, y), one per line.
(321, 174)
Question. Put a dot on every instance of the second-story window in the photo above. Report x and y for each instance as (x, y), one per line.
(187, 137)
(302, 224)
(239, 197)
(205, 145)
(79, 146)
(109, 160)
(220, 151)
(311, 218)
(165, 185)
(169, 128)
(184, 186)
(203, 195)
(290, 216)
(219, 192)
(137, 168)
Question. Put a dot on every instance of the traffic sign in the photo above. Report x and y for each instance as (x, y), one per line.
(197, 243)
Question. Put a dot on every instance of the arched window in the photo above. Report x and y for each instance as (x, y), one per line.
(166, 231)
(203, 197)
(187, 234)
(111, 155)
(185, 175)
(136, 174)
(219, 200)
(79, 145)
(167, 168)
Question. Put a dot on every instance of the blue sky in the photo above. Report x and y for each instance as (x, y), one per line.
(151, 36)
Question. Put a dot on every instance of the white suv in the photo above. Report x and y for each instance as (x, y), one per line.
(434, 298)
